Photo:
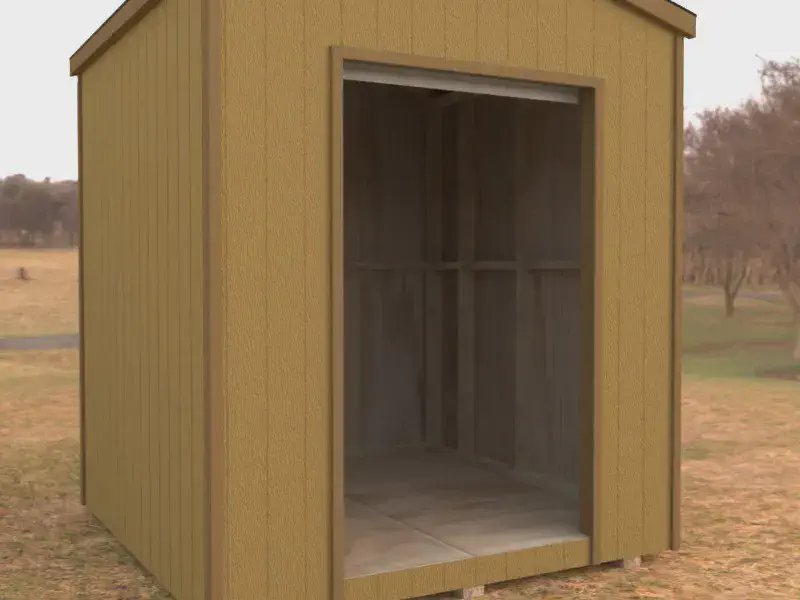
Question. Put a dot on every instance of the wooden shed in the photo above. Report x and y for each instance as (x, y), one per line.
(380, 298)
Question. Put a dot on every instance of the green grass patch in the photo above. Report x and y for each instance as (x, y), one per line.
(704, 325)
(703, 449)
(759, 337)
(744, 361)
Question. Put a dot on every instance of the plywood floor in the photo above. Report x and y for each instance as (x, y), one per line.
(420, 508)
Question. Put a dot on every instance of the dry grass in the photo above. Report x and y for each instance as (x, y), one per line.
(49, 549)
(741, 502)
(48, 303)
(741, 506)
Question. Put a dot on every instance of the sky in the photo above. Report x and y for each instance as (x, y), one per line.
(38, 103)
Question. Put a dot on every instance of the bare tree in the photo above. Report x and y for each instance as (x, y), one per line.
(714, 198)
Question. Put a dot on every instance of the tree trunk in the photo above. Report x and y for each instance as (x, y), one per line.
(796, 353)
(732, 283)
(729, 303)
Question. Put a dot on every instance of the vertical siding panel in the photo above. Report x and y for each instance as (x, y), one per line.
(132, 398)
(143, 201)
(128, 397)
(552, 26)
(107, 451)
(461, 29)
(523, 33)
(102, 373)
(322, 30)
(162, 257)
(580, 37)
(360, 23)
(286, 296)
(153, 291)
(633, 47)
(657, 286)
(115, 281)
(395, 25)
(185, 315)
(172, 257)
(246, 291)
(132, 257)
(492, 31)
(196, 243)
(607, 66)
(430, 18)
(122, 422)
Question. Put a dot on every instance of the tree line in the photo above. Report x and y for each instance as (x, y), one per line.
(742, 191)
(37, 213)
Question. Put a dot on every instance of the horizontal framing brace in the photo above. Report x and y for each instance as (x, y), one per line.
(457, 82)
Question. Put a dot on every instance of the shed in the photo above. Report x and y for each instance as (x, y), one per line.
(380, 298)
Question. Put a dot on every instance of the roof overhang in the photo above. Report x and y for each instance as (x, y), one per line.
(122, 20)
(668, 13)
(131, 12)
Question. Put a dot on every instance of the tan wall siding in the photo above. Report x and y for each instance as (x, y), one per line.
(143, 293)
(276, 268)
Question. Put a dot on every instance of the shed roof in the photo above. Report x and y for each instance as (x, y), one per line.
(668, 13)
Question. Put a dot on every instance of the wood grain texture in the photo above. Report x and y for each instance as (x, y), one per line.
(143, 294)
(141, 326)
(396, 26)
(461, 29)
(125, 18)
(469, 572)
(322, 523)
(607, 66)
(580, 36)
(277, 366)
(433, 319)
(214, 414)
(246, 360)
(359, 20)
(285, 297)
(429, 28)
(492, 31)
(154, 363)
(677, 299)
(173, 383)
(466, 353)
(657, 375)
(552, 28)
(633, 187)
(523, 33)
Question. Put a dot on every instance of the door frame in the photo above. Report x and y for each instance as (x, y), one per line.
(459, 75)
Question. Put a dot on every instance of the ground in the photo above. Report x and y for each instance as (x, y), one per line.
(741, 450)
(48, 302)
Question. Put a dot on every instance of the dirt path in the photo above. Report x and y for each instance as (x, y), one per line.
(40, 342)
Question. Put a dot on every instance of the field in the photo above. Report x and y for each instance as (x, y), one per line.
(741, 449)
(46, 304)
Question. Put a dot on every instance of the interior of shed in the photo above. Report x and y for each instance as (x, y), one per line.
(462, 324)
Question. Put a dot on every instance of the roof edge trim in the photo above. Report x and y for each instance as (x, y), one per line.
(667, 13)
(119, 23)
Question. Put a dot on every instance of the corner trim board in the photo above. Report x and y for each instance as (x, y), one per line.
(677, 302)
(81, 320)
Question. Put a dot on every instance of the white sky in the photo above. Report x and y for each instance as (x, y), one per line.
(38, 97)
